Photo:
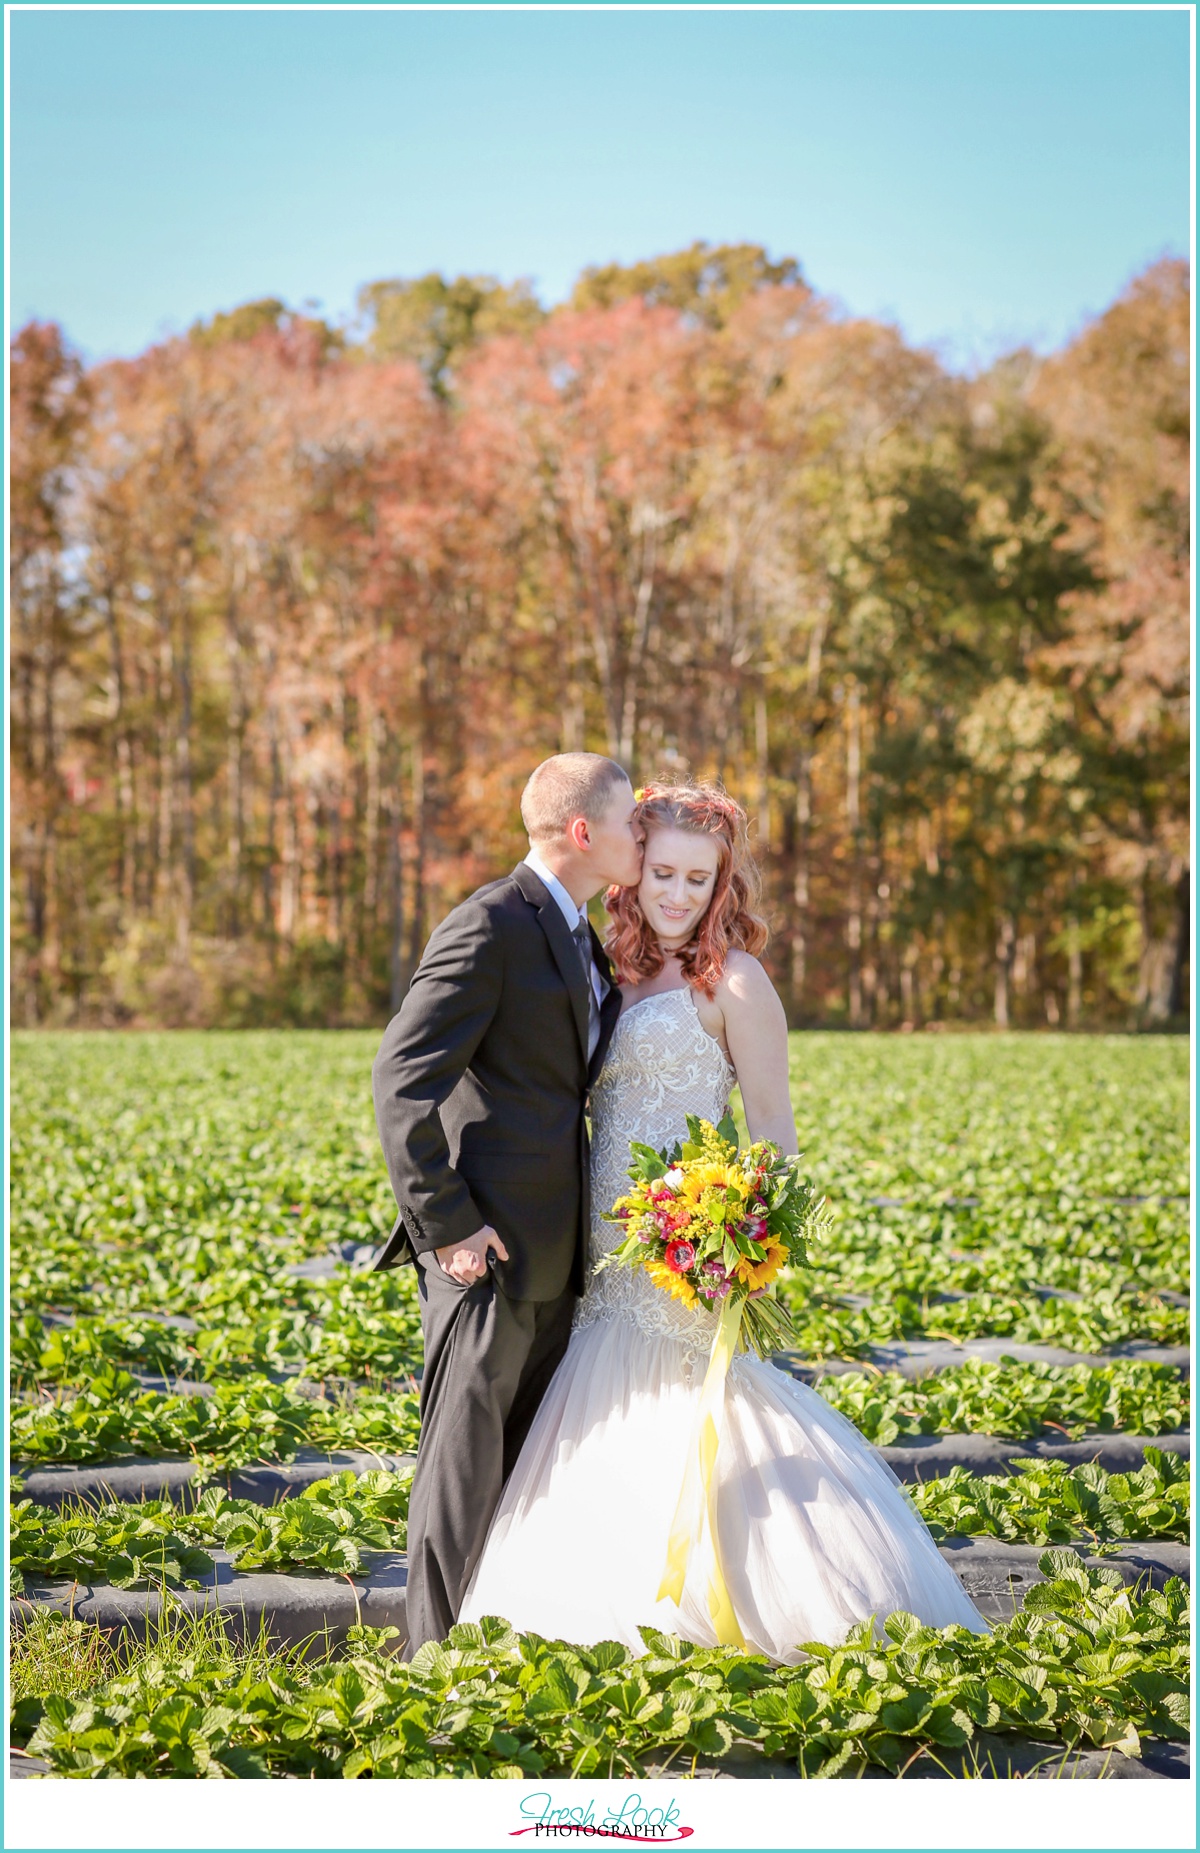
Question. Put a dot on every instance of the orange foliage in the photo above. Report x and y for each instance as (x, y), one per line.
(293, 619)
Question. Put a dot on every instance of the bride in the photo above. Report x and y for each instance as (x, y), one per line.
(813, 1531)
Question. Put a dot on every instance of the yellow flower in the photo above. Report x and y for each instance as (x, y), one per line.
(675, 1284)
(639, 794)
(761, 1273)
(711, 1177)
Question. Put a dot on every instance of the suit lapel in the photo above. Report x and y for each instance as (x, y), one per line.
(610, 1006)
(610, 1010)
(562, 945)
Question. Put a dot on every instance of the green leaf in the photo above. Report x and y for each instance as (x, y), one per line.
(648, 1164)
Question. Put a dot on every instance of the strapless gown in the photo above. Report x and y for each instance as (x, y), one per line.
(814, 1530)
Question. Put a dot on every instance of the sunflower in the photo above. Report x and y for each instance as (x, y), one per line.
(761, 1273)
(675, 1284)
(711, 1177)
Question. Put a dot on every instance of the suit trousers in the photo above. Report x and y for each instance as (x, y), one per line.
(488, 1362)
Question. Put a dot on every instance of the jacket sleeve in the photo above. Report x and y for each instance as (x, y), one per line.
(425, 1051)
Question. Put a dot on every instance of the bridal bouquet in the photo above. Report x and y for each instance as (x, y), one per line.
(715, 1227)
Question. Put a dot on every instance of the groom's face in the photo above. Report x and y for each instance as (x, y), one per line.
(617, 840)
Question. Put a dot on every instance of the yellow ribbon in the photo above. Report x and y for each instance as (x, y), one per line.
(696, 1507)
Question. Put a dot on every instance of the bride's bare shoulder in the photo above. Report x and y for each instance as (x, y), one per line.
(744, 983)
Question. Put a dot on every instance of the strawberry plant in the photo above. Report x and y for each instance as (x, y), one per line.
(1086, 1662)
(129, 1547)
(1014, 1399)
(326, 1527)
(242, 1422)
(1047, 1502)
(203, 1206)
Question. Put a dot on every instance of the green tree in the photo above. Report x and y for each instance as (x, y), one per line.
(267, 316)
(706, 281)
(438, 322)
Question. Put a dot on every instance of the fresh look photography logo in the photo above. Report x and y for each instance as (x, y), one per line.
(628, 1819)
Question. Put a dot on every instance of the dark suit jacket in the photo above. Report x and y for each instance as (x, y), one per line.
(480, 1084)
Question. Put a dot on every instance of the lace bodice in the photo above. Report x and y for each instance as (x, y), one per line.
(661, 1065)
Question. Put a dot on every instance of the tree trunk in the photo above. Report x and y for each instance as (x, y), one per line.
(289, 859)
(854, 919)
(909, 1007)
(570, 728)
(927, 844)
(372, 723)
(126, 805)
(164, 845)
(1074, 973)
(1160, 971)
(416, 923)
(762, 767)
(314, 902)
(803, 820)
(1177, 997)
(933, 1000)
(270, 921)
(639, 638)
(397, 976)
(1024, 966)
(234, 749)
(187, 885)
(1005, 941)
(800, 894)
(603, 629)
(334, 925)
(725, 683)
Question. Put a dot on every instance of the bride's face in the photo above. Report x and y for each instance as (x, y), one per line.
(679, 872)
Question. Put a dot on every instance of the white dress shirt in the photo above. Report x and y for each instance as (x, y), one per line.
(570, 913)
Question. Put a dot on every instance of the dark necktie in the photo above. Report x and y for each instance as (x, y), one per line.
(584, 944)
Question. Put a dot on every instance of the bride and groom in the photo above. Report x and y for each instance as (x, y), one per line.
(557, 1406)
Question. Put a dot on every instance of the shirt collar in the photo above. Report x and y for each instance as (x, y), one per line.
(570, 913)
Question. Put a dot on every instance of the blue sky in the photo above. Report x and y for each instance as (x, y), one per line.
(983, 178)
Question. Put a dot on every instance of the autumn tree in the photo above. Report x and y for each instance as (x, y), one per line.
(706, 282)
(1119, 401)
(437, 321)
(295, 611)
(50, 403)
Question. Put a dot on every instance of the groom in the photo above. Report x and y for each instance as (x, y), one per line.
(480, 1084)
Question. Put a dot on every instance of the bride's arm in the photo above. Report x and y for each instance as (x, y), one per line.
(756, 1032)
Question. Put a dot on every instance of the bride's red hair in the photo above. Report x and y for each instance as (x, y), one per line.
(729, 919)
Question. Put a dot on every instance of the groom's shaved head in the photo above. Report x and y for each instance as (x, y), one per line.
(569, 785)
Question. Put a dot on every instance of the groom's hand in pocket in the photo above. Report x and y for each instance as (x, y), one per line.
(466, 1262)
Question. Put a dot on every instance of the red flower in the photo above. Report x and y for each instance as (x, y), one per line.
(679, 1256)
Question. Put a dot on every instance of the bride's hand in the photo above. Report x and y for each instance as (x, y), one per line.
(466, 1262)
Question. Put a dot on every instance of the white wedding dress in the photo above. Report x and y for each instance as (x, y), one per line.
(814, 1530)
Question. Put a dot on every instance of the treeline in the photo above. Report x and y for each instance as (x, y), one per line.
(295, 609)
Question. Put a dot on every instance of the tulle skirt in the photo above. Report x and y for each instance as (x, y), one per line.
(815, 1532)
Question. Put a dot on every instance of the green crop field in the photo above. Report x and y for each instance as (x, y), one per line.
(190, 1219)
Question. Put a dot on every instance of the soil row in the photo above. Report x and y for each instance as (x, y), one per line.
(919, 1457)
(294, 1607)
(919, 1357)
